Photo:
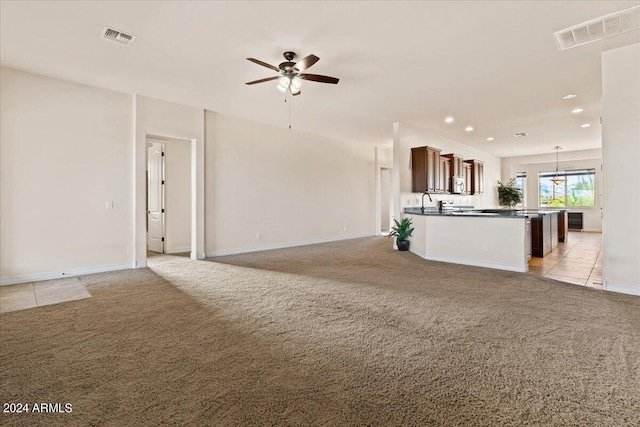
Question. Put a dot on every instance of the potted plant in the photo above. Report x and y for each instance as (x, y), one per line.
(509, 195)
(402, 232)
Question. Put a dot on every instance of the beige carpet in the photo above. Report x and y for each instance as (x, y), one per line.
(346, 333)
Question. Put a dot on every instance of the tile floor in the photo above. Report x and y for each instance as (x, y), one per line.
(29, 295)
(578, 261)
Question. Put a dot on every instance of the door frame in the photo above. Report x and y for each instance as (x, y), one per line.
(197, 195)
(149, 143)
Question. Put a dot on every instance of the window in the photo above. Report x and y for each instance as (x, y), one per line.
(578, 188)
(521, 184)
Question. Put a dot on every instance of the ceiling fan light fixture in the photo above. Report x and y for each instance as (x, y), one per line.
(296, 83)
(284, 82)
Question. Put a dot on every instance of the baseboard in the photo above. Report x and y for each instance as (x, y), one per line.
(622, 288)
(281, 245)
(475, 263)
(27, 278)
(177, 250)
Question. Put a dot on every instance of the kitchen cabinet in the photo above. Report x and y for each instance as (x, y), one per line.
(457, 165)
(466, 168)
(475, 184)
(445, 175)
(544, 233)
(563, 226)
(540, 227)
(425, 169)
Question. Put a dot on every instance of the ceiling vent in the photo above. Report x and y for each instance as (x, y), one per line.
(599, 28)
(518, 135)
(117, 36)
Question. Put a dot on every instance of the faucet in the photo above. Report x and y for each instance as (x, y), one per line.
(427, 194)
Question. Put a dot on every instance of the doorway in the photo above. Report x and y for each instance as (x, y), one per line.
(169, 207)
(155, 197)
(386, 200)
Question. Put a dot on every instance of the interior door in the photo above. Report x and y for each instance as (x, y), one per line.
(155, 198)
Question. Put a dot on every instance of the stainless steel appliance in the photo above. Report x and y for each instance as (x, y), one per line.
(457, 185)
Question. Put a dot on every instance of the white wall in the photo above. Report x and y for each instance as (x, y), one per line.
(65, 151)
(411, 136)
(289, 186)
(385, 157)
(621, 151)
(158, 118)
(534, 164)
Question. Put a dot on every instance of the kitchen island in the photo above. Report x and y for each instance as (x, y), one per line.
(484, 239)
(546, 228)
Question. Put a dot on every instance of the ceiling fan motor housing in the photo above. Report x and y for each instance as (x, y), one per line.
(288, 66)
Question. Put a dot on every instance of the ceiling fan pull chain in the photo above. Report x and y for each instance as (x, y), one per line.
(289, 113)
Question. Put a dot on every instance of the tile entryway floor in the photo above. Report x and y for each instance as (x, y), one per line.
(578, 261)
(29, 295)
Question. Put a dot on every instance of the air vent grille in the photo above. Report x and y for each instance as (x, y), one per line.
(599, 28)
(518, 135)
(117, 36)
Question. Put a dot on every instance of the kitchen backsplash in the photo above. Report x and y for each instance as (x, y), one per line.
(411, 200)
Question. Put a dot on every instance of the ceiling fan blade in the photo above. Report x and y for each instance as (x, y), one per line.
(319, 78)
(263, 80)
(264, 64)
(307, 62)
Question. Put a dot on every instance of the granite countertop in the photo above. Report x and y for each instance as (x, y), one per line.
(506, 213)
(544, 211)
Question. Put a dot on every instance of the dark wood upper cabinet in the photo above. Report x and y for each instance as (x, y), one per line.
(425, 169)
(475, 183)
(457, 165)
(466, 168)
(445, 174)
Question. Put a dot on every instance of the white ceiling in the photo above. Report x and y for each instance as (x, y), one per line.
(492, 65)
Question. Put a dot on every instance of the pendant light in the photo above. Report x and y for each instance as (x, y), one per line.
(557, 180)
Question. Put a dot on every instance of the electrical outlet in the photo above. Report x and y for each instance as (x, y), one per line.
(485, 247)
(344, 228)
(258, 235)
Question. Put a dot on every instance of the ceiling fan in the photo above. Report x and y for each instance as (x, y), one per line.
(291, 73)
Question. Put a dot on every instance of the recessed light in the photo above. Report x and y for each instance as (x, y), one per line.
(570, 96)
(577, 110)
(448, 120)
(518, 135)
(468, 128)
(490, 138)
(585, 125)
